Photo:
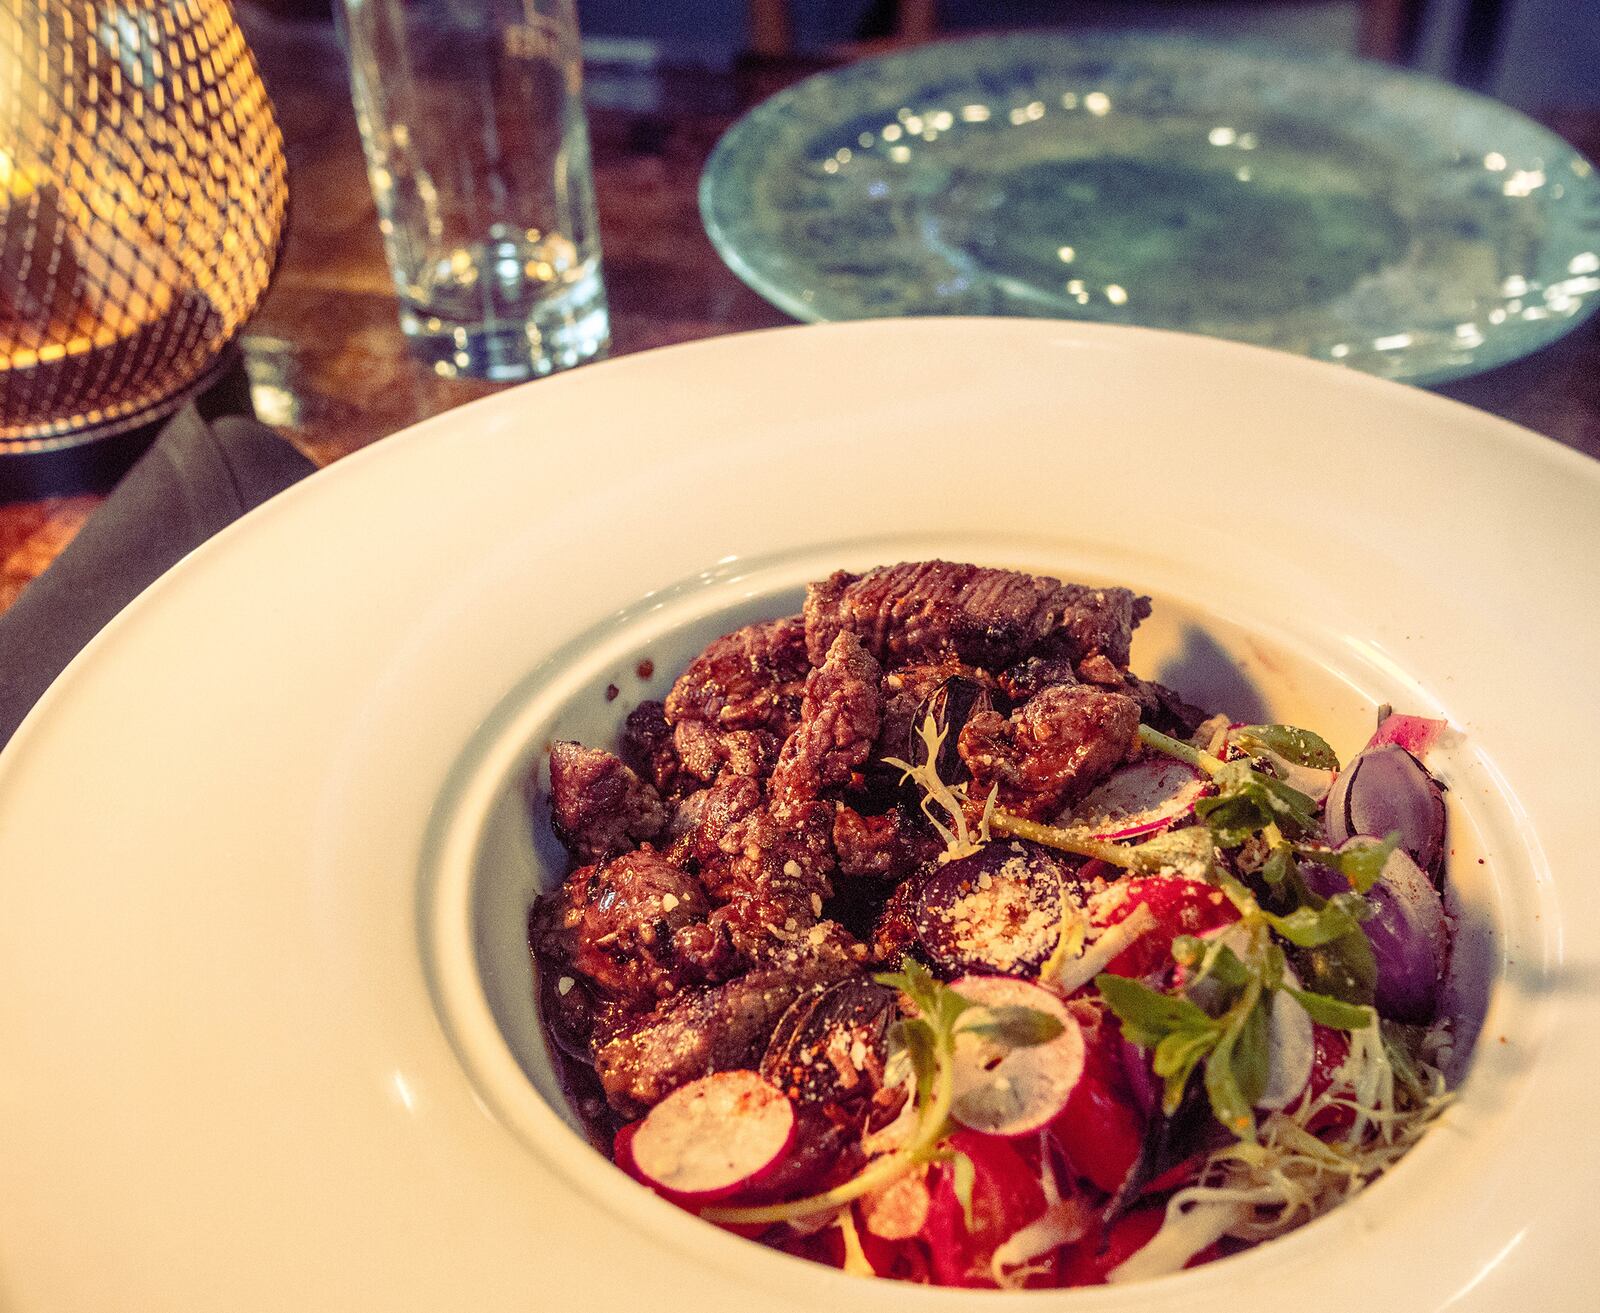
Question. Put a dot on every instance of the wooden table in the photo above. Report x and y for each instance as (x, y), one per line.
(330, 369)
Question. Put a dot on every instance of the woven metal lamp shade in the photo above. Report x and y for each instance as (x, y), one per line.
(142, 198)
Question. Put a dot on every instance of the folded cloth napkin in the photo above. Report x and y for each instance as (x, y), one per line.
(195, 479)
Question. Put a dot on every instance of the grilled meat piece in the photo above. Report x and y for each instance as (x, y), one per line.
(927, 610)
(647, 746)
(1162, 709)
(1051, 751)
(598, 807)
(1035, 674)
(642, 1059)
(747, 682)
(839, 718)
(636, 927)
(774, 875)
(886, 847)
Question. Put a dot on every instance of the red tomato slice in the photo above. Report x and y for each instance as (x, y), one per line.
(1180, 907)
(1087, 1262)
(1006, 1196)
(1329, 1049)
(1100, 1130)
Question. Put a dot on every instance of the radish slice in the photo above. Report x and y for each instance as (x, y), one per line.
(714, 1136)
(1291, 1042)
(1147, 796)
(1416, 734)
(1005, 1091)
(1291, 1046)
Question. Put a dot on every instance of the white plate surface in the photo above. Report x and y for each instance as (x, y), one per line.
(265, 1034)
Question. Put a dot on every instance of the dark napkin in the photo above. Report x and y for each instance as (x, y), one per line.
(195, 479)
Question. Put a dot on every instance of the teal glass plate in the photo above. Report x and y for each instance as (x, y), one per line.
(1338, 209)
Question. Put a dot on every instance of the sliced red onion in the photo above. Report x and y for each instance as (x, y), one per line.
(1407, 929)
(1385, 789)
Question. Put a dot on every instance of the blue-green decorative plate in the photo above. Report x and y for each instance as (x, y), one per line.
(1338, 209)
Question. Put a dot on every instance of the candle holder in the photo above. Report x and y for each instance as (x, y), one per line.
(142, 199)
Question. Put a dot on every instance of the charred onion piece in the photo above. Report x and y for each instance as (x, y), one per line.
(830, 1047)
(998, 910)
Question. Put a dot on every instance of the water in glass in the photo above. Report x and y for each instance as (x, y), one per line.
(478, 154)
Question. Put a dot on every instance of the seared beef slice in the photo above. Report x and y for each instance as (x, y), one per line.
(838, 722)
(636, 927)
(598, 806)
(643, 1059)
(1052, 751)
(740, 699)
(925, 610)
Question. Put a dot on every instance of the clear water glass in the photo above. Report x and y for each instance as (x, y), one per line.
(472, 120)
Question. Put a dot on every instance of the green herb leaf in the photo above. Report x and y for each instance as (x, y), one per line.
(1252, 1056)
(916, 982)
(1301, 746)
(1015, 1027)
(1233, 1109)
(1279, 865)
(1331, 1011)
(1175, 1059)
(1308, 927)
(1188, 851)
(1234, 817)
(1362, 861)
(1345, 968)
(917, 1038)
(1147, 1015)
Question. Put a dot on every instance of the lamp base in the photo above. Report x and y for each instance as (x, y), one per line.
(94, 463)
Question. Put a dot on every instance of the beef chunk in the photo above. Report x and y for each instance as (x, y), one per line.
(642, 1059)
(885, 847)
(895, 932)
(1162, 709)
(1035, 674)
(838, 723)
(598, 806)
(647, 746)
(771, 876)
(927, 610)
(739, 699)
(717, 810)
(636, 927)
(1051, 751)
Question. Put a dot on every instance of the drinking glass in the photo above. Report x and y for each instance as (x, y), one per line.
(478, 155)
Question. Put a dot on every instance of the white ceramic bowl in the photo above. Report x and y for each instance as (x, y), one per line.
(266, 1019)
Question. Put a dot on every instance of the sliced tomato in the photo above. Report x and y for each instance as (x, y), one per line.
(1006, 1196)
(824, 1246)
(898, 1260)
(1329, 1049)
(1180, 907)
(1101, 1129)
(1088, 1262)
